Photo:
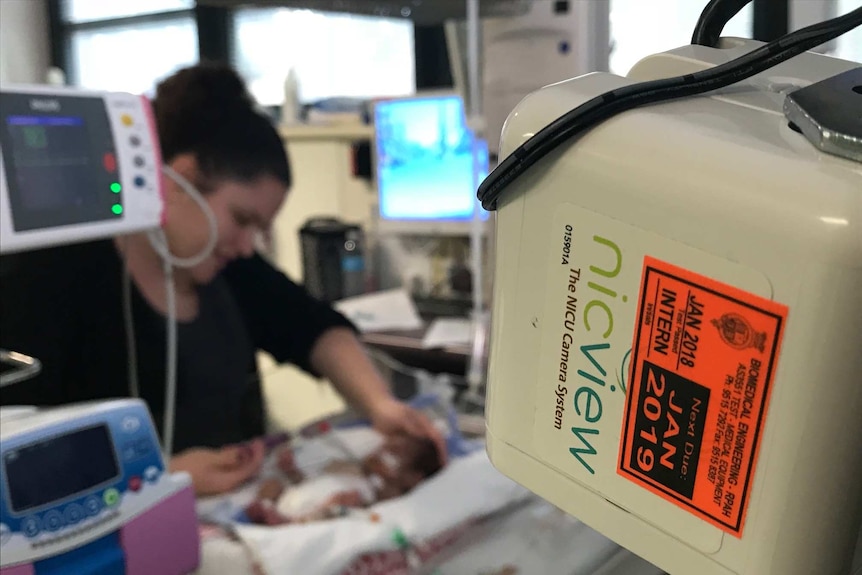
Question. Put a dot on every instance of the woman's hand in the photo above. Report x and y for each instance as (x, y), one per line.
(391, 416)
(287, 464)
(217, 471)
(340, 357)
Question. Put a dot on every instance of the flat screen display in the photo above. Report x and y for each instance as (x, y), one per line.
(52, 164)
(424, 154)
(59, 467)
(61, 166)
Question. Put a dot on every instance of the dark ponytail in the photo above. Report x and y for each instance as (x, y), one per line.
(207, 111)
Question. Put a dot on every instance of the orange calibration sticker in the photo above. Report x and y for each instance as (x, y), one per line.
(703, 360)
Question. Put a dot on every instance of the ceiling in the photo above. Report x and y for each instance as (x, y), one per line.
(420, 11)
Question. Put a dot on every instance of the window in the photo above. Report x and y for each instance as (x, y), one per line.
(333, 55)
(132, 57)
(639, 29)
(850, 44)
(78, 11)
(127, 45)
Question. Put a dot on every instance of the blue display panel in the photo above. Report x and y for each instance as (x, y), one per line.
(62, 468)
(424, 154)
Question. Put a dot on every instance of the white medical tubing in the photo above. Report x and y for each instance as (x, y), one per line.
(171, 360)
(159, 241)
(128, 318)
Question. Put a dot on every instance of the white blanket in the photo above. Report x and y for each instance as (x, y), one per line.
(468, 488)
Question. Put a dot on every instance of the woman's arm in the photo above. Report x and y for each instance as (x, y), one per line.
(292, 326)
(282, 318)
(340, 357)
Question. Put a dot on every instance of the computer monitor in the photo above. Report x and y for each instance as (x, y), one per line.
(424, 163)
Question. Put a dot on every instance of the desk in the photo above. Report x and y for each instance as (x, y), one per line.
(406, 347)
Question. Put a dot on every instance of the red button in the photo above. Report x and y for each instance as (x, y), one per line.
(135, 483)
(110, 162)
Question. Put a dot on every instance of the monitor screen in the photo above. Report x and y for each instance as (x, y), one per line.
(51, 161)
(424, 154)
(60, 163)
(59, 467)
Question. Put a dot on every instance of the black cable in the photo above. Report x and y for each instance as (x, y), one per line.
(713, 19)
(605, 106)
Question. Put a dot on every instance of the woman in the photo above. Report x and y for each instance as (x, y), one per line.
(66, 305)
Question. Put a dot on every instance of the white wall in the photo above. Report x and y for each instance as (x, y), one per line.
(322, 186)
(640, 29)
(806, 12)
(25, 50)
(524, 53)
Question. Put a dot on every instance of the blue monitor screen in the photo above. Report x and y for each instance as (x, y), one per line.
(425, 159)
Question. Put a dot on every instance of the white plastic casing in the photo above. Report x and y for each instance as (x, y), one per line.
(721, 186)
(138, 161)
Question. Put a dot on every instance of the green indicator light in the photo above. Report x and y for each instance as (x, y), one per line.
(115, 187)
(111, 497)
(117, 209)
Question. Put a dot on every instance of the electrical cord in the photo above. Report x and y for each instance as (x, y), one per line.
(597, 110)
(170, 356)
(131, 347)
(158, 240)
(170, 347)
(713, 19)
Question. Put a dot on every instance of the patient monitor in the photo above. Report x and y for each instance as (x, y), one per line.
(75, 166)
(676, 354)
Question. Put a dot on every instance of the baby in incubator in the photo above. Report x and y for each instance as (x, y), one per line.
(392, 470)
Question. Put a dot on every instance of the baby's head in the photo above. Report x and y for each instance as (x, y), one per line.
(402, 462)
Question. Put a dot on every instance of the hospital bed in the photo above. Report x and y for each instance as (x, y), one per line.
(467, 519)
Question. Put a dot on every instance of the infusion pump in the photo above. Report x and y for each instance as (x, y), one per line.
(85, 490)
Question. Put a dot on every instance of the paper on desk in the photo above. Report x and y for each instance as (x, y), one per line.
(381, 311)
(448, 332)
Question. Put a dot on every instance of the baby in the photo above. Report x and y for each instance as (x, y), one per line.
(399, 465)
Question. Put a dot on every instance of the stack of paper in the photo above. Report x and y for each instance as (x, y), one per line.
(448, 332)
(381, 311)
